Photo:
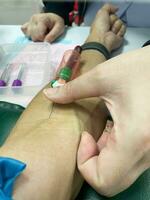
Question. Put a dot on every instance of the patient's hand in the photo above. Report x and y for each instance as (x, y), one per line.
(107, 28)
(122, 153)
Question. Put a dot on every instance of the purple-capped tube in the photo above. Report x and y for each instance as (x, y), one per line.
(18, 82)
(5, 76)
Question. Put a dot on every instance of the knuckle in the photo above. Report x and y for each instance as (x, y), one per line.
(107, 5)
(99, 13)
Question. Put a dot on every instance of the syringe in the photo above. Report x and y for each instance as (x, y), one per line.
(68, 67)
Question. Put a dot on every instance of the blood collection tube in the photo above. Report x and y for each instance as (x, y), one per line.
(5, 76)
(18, 82)
(68, 67)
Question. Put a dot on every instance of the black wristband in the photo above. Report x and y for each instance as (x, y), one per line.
(96, 46)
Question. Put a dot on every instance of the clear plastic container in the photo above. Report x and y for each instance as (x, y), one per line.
(34, 61)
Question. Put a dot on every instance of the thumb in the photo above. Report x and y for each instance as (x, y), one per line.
(56, 31)
(87, 159)
(91, 84)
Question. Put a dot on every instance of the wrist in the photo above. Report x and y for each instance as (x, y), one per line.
(93, 37)
(97, 47)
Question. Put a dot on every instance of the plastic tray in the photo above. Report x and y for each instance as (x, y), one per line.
(37, 68)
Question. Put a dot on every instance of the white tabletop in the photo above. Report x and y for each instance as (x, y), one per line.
(134, 38)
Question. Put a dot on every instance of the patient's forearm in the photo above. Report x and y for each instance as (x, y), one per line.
(46, 138)
(41, 108)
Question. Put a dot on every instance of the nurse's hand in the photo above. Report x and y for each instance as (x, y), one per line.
(122, 153)
(44, 27)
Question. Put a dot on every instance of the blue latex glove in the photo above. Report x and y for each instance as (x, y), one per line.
(10, 169)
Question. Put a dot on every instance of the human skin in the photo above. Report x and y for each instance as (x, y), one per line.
(47, 135)
(122, 154)
(44, 27)
(46, 138)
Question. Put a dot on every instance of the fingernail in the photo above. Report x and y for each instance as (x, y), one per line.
(50, 92)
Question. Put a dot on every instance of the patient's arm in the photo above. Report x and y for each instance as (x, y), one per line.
(46, 138)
